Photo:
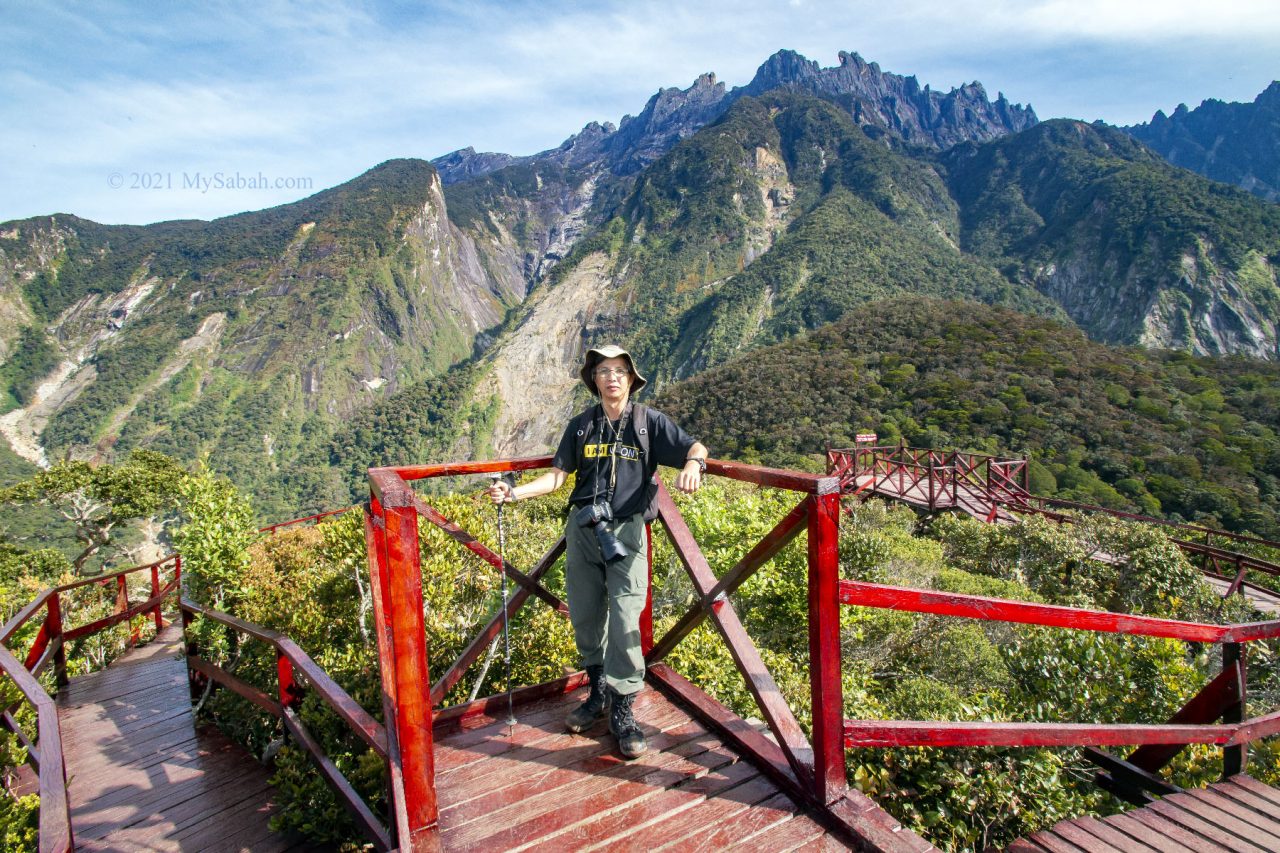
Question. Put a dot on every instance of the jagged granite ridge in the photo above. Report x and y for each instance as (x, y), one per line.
(1236, 143)
(880, 101)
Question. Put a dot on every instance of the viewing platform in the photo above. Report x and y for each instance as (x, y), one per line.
(121, 764)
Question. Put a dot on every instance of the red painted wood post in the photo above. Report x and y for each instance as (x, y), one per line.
(646, 615)
(195, 680)
(122, 604)
(931, 496)
(1235, 758)
(824, 647)
(53, 623)
(290, 689)
(375, 536)
(155, 590)
(401, 594)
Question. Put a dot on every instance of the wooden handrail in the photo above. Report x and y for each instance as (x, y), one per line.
(817, 771)
(55, 814)
(367, 728)
(45, 754)
(272, 528)
(1189, 727)
(291, 662)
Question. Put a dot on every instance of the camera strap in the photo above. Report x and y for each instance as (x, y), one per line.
(613, 449)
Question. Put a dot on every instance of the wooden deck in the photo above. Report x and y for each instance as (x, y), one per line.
(1240, 815)
(142, 776)
(539, 787)
(916, 493)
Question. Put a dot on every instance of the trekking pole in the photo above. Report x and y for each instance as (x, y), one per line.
(509, 479)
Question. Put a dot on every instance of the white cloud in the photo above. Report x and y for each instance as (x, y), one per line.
(328, 89)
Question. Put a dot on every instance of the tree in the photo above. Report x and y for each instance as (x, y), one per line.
(100, 499)
(218, 529)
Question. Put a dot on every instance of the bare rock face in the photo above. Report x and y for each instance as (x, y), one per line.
(888, 103)
(308, 309)
(1209, 309)
(534, 373)
(467, 163)
(881, 102)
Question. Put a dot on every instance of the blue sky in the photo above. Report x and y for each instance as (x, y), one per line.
(130, 112)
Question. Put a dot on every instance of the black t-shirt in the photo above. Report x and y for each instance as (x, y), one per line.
(668, 445)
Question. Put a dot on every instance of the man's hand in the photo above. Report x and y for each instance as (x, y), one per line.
(689, 480)
(501, 492)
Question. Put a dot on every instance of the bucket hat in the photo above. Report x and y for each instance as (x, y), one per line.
(595, 355)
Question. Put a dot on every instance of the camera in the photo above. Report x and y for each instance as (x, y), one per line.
(596, 516)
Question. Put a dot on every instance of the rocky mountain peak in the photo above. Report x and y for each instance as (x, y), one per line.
(880, 101)
(1236, 143)
(784, 68)
(466, 163)
(885, 102)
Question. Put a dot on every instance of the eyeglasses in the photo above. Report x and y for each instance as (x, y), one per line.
(606, 372)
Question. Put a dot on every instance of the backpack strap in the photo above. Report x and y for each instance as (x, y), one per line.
(583, 425)
(640, 418)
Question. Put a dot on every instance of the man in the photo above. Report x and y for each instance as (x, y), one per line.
(615, 448)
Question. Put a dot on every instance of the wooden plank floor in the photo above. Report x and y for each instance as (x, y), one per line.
(142, 776)
(1237, 815)
(540, 787)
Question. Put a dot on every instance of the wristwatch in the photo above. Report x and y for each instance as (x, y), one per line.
(702, 464)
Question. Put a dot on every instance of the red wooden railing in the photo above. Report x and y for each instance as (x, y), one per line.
(48, 648)
(296, 673)
(1223, 698)
(320, 516)
(810, 769)
(1193, 539)
(935, 479)
(866, 469)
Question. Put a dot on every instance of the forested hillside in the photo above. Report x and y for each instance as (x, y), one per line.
(250, 338)
(784, 215)
(1135, 250)
(1158, 432)
(393, 318)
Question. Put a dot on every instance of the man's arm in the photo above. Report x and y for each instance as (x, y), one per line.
(690, 476)
(501, 492)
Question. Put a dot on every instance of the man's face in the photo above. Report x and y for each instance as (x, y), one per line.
(613, 378)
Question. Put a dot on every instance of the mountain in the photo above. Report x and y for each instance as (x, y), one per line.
(785, 215)
(246, 336)
(1152, 431)
(1230, 142)
(884, 103)
(1135, 250)
(880, 102)
(402, 317)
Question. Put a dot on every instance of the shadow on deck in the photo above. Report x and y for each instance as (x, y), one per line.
(142, 776)
(536, 786)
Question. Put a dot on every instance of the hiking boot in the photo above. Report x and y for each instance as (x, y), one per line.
(622, 723)
(594, 709)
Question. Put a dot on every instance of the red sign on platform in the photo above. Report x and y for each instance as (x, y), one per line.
(865, 438)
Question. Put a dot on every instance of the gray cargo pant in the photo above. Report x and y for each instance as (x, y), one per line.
(606, 599)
